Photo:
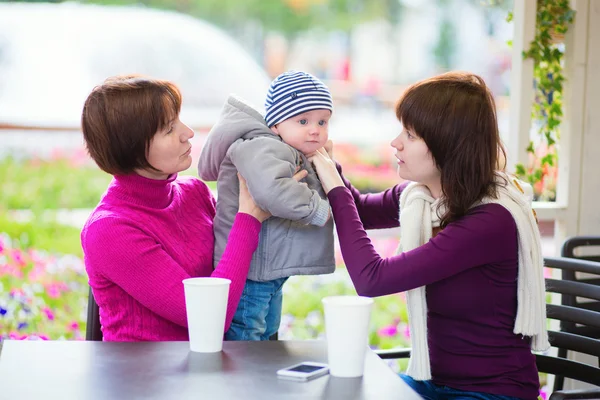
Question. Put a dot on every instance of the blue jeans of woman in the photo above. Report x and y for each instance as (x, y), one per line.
(430, 391)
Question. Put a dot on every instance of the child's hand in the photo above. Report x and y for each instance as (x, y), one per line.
(300, 174)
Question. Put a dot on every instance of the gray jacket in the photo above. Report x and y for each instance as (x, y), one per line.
(298, 238)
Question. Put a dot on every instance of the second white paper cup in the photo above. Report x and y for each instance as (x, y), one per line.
(347, 330)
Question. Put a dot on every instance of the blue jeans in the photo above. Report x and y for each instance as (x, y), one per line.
(259, 313)
(431, 391)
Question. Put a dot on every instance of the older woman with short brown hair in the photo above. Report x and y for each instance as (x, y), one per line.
(152, 228)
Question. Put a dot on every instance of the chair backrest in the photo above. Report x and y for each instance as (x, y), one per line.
(570, 246)
(93, 330)
(569, 250)
(582, 319)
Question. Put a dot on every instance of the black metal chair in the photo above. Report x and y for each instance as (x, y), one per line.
(570, 246)
(570, 249)
(563, 340)
(576, 322)
(93, 330)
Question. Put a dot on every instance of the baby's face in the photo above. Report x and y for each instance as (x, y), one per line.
(306, 132)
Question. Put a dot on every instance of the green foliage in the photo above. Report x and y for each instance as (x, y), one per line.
(50, 184)
(552, 21)
(59, 183)
(42, 234)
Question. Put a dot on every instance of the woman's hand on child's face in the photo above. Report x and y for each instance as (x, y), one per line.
(329, 148)
(326, 169)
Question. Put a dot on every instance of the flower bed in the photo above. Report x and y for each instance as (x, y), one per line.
(42, 295)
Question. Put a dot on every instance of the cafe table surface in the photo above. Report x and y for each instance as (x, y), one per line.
(169, 370)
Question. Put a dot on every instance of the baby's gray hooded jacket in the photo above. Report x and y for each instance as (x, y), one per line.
(298, 238)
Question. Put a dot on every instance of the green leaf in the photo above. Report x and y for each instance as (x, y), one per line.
(548, 159)
(553, 16)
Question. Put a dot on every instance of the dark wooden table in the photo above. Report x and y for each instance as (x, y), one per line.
(168, 370)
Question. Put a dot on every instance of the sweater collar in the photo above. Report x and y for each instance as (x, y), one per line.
(134, 188)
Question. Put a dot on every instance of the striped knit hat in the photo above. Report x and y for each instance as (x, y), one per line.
(293, 93)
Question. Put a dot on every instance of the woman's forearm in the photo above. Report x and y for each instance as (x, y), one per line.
(376, 210)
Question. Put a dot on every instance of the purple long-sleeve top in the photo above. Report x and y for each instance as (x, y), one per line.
(470, 273)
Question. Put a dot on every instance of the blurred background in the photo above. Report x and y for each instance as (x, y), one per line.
(53, 54)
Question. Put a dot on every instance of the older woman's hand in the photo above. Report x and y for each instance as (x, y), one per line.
(247, 204)
(326, 169)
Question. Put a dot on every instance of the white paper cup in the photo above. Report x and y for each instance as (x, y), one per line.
(347, 331)
(206, 308)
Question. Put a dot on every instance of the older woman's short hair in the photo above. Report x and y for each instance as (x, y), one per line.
(121, 116)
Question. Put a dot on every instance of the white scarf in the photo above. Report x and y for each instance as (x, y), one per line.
(419, 215)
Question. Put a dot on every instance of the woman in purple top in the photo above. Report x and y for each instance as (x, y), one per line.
(469, 248)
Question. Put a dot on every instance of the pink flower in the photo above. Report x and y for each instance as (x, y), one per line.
(49, 313)
(17, 336)
(74, 326)
(388, 331)
(18, 257)
(53, 291)
(16, 292)
(544, 393)
(36, 336)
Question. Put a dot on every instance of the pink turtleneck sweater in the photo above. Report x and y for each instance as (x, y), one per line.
(146, 236)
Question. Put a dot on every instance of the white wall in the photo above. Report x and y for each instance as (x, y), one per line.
(579, 153)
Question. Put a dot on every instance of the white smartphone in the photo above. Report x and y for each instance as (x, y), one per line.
(303, 371)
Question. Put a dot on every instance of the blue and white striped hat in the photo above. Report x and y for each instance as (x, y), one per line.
(293, 93)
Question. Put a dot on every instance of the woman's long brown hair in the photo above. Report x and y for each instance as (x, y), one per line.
(455, 114)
